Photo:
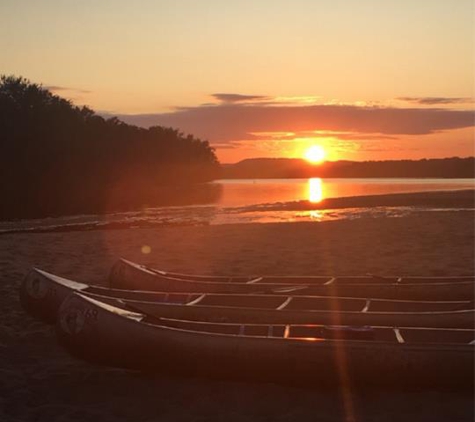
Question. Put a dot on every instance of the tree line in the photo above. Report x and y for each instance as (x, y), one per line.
(280, 168)
(57, 158)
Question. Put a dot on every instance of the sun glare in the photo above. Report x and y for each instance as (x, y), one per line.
(315, 154)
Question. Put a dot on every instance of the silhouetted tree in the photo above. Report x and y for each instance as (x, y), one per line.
(57, 158)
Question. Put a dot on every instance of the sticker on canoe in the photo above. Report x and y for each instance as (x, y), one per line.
(74, 318)
(36, 287)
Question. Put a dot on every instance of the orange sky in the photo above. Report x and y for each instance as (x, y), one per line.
(366, 79)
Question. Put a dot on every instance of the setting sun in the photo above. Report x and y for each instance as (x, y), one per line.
(315, 154)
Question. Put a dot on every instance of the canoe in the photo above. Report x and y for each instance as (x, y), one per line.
(107, 335)
(300, 280)
(128, 275)
(42, 293)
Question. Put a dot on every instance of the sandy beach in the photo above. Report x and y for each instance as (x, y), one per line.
(40, 382)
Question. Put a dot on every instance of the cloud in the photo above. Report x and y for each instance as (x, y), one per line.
(55, 88)
(237, 98)
(229, 122)
(349, 136)
(437, 100)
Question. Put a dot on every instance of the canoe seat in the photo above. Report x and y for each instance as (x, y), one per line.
(196, 301)
(254, 280)
(350, 333)
(332, 332)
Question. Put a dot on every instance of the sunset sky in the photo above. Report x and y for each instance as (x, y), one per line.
(364, 79)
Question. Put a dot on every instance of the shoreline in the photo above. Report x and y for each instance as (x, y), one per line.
(460, 198)
(420, 244)
(373, 206)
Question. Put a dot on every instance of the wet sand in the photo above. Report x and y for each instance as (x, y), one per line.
(40, 382)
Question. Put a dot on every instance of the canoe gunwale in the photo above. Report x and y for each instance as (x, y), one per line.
(141, 319)
(126, 274)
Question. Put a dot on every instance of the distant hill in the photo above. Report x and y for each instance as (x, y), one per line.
(286, 168)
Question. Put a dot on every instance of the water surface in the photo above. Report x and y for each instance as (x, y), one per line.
(264, 201)
(242, 192)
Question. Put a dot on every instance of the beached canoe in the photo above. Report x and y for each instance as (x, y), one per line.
(117, 270)
(128, 275)
(104, 334)
(42, 293)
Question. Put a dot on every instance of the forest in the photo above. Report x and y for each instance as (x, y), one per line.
(57, 159)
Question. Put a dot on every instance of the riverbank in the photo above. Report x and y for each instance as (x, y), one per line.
(257, 211)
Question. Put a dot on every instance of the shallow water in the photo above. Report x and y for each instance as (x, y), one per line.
(259, 201)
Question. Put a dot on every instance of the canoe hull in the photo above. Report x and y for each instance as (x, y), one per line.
(93, 333)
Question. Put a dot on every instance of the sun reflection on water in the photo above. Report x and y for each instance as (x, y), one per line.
(316, 215)
(315, 190)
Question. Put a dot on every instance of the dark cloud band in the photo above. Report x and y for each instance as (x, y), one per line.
(55, 88)
(227, 122)
(235, 98)
(437, 100)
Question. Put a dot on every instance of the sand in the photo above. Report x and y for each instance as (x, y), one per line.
(40, 382)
